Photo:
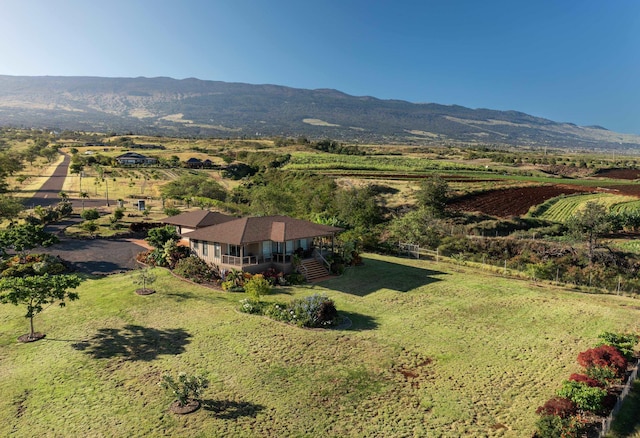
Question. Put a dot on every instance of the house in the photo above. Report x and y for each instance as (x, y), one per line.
(255, 244)
(193, 220)
(131, 158)
(194, 163)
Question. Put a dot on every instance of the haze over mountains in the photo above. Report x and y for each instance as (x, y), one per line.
(193, 107)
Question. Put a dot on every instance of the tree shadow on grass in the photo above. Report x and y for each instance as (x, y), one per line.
(134, 342)
(375, 275)
(231, 410)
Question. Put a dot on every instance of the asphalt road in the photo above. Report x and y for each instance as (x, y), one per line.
(48, 193)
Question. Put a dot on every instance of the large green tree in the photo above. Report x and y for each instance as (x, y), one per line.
(433, 194)
(22, 238)
(589, 225)
(36, 292)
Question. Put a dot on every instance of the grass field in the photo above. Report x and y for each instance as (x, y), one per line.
(434, 350)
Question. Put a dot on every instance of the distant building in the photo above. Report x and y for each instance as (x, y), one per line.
(194, 163)
(132, 158)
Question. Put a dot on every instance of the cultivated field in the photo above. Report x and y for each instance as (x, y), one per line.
(434, 350)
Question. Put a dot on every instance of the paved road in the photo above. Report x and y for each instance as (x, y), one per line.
(48, 193)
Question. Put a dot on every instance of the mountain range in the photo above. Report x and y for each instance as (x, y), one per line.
(193, 107)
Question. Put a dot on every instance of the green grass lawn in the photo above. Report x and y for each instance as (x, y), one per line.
(434, 350)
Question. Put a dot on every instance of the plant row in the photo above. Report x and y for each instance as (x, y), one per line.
(586, 395)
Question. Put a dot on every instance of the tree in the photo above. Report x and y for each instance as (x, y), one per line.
(357, 207)
(9, 207)
(590, 224)
(83, 196)
(145, 277)
(433, 194)
(22, 238)
(419, 227)
(35, 292)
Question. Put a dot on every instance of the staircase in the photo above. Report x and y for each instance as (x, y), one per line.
(313, 270)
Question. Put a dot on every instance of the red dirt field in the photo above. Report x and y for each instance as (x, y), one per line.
(514, 201)
(629, 174)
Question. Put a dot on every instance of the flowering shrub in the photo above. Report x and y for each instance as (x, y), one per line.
(313, 311)
(248, 306)
(604, 356)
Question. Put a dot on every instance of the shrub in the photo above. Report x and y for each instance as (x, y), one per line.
(195, 269)
(587, 380)
(172, 211)
(248, 306)
(90, 214)
(552, 426)
(558, 406)
(257, 286)
(585, 397)
(311, 311)
(185, 388)
(603, 375)
(604, 356)
(624, 343)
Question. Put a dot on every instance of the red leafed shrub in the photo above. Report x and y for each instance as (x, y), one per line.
(604, 356)
(583, 378)
(558, 406)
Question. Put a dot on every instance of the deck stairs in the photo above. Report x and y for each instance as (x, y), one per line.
(313, 270)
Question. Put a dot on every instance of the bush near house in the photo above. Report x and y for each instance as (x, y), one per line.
(196, 270)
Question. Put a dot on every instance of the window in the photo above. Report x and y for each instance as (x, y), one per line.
(205, 249)
(234, 250)
(216, 250)
(195, 245)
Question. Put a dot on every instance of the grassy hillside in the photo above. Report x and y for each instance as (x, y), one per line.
(434, 350)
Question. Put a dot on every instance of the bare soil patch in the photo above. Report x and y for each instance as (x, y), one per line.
(191, 406)
(143, 291)
(513, 201)
(616, 173)
(27, 338)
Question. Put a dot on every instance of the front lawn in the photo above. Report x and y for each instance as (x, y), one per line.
(434, 350)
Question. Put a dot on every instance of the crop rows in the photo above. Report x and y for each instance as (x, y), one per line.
(370, 163)
(562, 208)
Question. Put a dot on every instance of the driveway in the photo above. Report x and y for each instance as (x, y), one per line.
(93, 256)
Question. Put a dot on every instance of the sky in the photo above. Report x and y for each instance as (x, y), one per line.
(572, 61)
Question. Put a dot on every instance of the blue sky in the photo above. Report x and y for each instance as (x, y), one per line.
(567, 60)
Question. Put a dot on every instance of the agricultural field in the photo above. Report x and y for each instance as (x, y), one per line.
(433, 351)
(562, 208)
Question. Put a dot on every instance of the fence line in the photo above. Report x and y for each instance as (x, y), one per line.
(411, 250)
(606, 423)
